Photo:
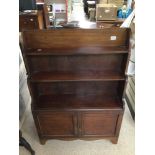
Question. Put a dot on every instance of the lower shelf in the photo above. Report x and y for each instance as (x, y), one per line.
(72, 101)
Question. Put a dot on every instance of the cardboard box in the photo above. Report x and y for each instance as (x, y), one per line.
(103, 1)
(106, 12)
(118, 3)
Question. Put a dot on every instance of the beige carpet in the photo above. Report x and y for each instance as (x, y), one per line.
(125, 144)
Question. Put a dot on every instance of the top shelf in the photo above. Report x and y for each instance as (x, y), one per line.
(78, 51)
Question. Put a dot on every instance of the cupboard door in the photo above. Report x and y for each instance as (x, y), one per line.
(57, 124)
(98, 124)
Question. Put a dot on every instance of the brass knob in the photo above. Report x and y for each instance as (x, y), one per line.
(39, 49)
(31, 19)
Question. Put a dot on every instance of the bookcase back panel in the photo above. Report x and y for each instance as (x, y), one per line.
(76, 38)
(109, 62)
(82, 88)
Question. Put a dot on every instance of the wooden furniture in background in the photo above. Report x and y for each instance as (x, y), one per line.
(76, 78)
(46, 16)
(31, 20)
(109, 24)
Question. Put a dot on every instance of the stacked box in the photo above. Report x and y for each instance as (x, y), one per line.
(106, 12)
(103, 1)
(118, 3)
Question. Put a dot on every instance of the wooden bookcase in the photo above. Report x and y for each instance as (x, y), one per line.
(76, 79)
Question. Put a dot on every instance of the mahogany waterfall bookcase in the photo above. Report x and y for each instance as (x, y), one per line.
(76, 79)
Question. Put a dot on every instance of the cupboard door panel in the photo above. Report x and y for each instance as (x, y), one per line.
(57, 124)
(99, 124)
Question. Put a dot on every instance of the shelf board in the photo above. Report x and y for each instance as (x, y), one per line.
(76, 76)
(119, 20)
(77, 51)
(77, 101)
(59, 12)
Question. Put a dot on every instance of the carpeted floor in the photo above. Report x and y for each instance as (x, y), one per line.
(125, 144)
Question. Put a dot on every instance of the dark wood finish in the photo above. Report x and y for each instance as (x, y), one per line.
(76, 38)
(31, 21)
(77, 76)
(77, 88)
(77, 65)
(109, 24)
(118, 126)
(87, 125)
(114, 140)
(98, 124)
(43, 7)
(78, 51)
(76, 79)
(57, 123)
(78, 102)
(43, 141)
(46, 16)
